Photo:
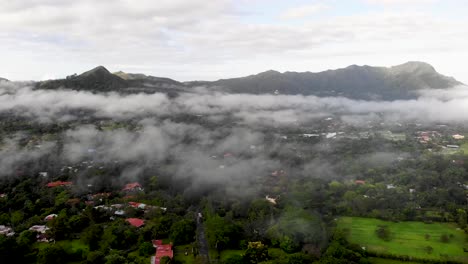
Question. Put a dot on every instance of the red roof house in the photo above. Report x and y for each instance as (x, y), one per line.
(58, 183)
(136, 222)
(359, 182)
(134, 186)
(162, 250)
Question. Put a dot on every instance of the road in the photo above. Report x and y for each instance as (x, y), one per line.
(201, 239)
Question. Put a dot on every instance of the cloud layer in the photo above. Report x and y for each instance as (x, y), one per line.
(189, 40)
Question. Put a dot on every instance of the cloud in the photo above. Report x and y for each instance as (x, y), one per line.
(251, 110)
(199, 141)
(189, 40)
(304, 11)
(401, 2)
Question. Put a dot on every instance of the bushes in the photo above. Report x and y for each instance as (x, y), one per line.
(383, 232)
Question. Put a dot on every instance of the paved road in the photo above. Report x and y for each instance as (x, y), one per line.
(201, 238)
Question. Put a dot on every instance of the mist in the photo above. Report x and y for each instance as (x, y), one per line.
(226, 142)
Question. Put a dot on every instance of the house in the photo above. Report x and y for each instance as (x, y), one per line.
(41, 230)
(136, 222)
(391, 186)
(58, 183)
(119, 212)
(271, 200)
(162, 250)
(3, 195)
(458, 136)
(132, 187)
(278, 173)
(360, 182)
(453, 146)
(310, 135)
(73, 201)
(136, 205)
(6, 231)
(50, 217)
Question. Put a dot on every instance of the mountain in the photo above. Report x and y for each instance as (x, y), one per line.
(100, 79)
(146, 78)
(357, 82)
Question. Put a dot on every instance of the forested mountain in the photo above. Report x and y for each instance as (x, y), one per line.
(357, 82)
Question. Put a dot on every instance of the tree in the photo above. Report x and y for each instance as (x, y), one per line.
(289, 245)
(183, 232)
(444, 238)
(461, 218)
(59, 227)
(429, 249)
(222, 233)
(95, 257)
(26, 238)
(166, 260)
(383, 232)
(115, 258)
(146, 249)
(51, 254)
(92, 236)
(256, 252)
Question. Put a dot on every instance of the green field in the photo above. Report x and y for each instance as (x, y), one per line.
(69, 245)
(407, 238)
(389, 261)
(464, 148)
(179, 254)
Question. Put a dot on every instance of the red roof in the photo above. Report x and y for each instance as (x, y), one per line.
(106, 194)
(136, 222)
(131, 186)
(360, 182)
(58, 183)
(134, 204)
(162, 250)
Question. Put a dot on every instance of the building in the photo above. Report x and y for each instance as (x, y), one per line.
(58, 183)
(50, 217)
(162, 250)
(132, 187)
(41, 233)
(39, 228)
(360, 182)
(6, 231)
(458, 136)
(136, 222)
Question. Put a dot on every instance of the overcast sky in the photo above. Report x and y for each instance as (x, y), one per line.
(200, 39)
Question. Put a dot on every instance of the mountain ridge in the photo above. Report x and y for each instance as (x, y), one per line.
(357, 82)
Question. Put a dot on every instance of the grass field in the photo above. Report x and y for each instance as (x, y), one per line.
(70, 246)
(464, 148)
(408, 238)
(179, 254)
(389, 261)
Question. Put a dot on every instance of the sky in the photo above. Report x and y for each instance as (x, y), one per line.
(208, 40)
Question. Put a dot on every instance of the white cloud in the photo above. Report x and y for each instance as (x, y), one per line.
(199, 39)
(400, 2)
(304, 11)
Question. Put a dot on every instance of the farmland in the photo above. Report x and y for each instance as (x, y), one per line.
(436, 241)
